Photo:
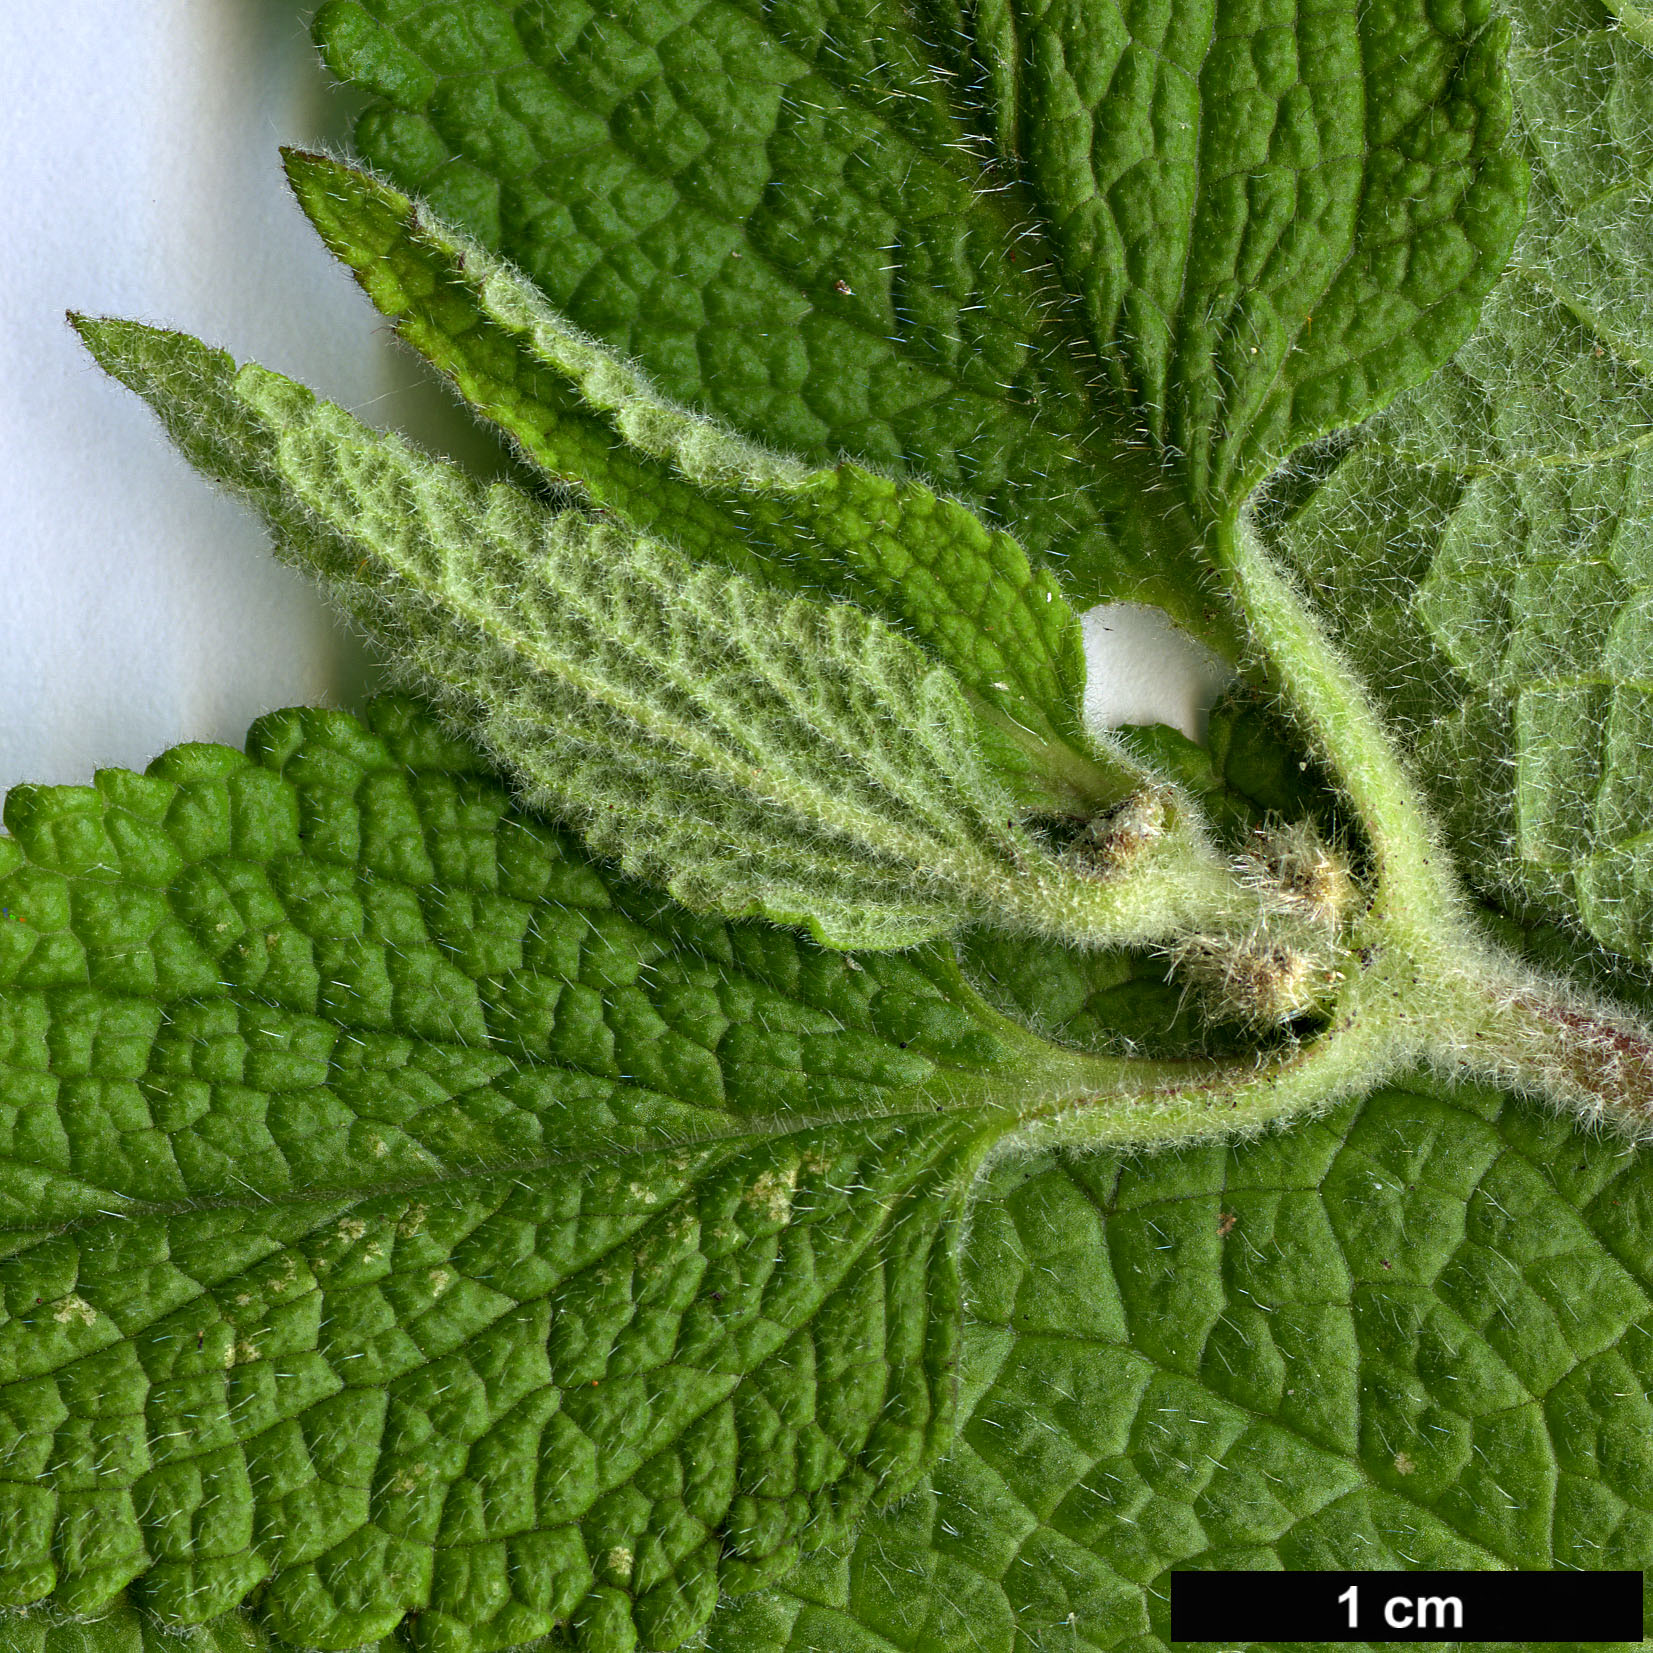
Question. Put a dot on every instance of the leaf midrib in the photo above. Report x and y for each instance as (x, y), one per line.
(762, 1131)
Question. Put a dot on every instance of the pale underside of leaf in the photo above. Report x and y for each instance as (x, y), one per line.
(922, 561)
(755, 752)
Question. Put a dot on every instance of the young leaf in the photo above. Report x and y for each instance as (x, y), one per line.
(781, 216)
(1203, 186)
(404, 1213)
(753, 752)
(924, 562)
(1487, 549)
(1413, 1334)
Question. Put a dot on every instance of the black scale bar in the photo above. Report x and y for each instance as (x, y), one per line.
(1406, 1607)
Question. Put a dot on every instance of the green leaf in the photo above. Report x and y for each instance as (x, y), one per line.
(126, 1630)
(1273, 221)
(924, 562)
(756, 753)
(401, 1212)
(781, 217)
(1487, 551)
(1417, 1333)
(1199, 186)
(422, 1236)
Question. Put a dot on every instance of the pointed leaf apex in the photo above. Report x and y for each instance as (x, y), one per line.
(135, 353)
(358, 217)
(306, 168)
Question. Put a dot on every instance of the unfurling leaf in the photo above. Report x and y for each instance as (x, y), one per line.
(754, 752)
(781, 215)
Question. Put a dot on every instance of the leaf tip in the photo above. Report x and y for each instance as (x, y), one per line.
(296, 160)
(138, 354)
(356, 214)
(312, 176)
(111, 341)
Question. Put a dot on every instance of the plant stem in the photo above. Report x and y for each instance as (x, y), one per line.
(1321, 687)
(1529, 1033)
(1054, 1095)
(1175, 883)
(1167, 1104)
(1432, 987)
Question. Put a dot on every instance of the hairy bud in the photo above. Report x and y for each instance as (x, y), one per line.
(1279, 972)
(1302, 874)
(1120, 836)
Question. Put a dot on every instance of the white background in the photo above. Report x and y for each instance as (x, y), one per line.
(139, 177)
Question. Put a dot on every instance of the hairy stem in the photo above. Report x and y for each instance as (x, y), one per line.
(1166, 1105)
(1431, 987)
(1533, 1034)
(1055, 1095)
(1323, 690)
(1160, 889)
